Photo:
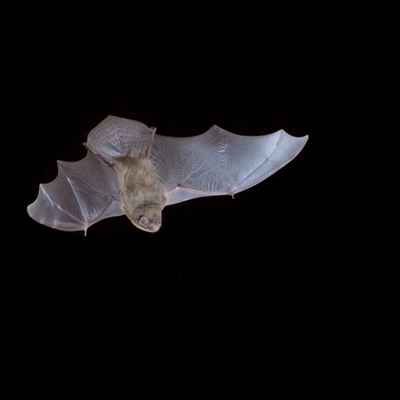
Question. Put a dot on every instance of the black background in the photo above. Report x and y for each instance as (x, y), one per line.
(227, 286)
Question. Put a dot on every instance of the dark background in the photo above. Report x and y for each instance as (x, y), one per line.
(181, 90)
(226, 284)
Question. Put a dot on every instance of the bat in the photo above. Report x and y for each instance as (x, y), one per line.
(131, 170)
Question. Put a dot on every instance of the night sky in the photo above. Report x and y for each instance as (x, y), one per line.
(217, 264)
(181, 95)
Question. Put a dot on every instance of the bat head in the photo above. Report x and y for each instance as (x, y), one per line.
(146, 217)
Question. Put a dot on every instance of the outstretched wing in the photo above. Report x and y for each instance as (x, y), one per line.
(118, 137)
(83, 193)
(219, 162)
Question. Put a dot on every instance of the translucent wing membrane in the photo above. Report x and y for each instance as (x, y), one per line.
(83, 193)
(119, 137)
(219, 162)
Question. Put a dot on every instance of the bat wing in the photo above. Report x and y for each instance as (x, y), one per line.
(83, 193)
(117, 137)
(219, 162)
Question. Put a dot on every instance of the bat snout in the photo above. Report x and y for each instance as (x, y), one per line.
(154, 227)
(148, 225)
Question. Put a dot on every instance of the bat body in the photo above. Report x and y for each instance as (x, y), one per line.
(131, 170)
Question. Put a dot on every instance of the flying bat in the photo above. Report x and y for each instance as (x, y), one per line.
(131, 170)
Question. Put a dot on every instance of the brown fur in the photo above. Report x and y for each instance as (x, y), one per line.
(142, 193)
